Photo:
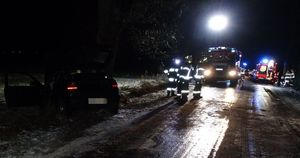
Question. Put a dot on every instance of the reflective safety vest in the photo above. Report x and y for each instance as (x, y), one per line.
(289, 75)
(199, 74)
(185, 73)
(172, 74)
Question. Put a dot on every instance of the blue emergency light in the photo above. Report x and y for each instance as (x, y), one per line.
(265, 61)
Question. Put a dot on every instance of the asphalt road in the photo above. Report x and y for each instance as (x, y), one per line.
(246, 121)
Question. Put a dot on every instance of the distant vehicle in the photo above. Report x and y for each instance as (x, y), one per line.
(69, 90)
(221, 63)
(266, 71)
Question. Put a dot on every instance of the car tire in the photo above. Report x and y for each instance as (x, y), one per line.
(233, 83)
(62, 108)
(114, 108)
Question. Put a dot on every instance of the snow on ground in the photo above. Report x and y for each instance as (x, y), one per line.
(100, 133)
(287, 95)
(59, 140)
(134, 82)
(128, 84)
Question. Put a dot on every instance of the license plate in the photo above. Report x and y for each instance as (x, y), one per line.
(97, 100)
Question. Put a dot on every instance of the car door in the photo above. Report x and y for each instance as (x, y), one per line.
(22, 90)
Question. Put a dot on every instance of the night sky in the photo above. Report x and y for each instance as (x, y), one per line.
(259, 28)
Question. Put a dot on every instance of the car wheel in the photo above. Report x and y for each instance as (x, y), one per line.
(62, 108)
(114, 108)
(233, 83)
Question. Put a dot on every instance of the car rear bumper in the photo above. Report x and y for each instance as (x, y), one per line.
(95, 102)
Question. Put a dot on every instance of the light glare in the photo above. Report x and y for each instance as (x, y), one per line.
(177, 61)
(207, 72)
(218, 23)
(265, 61)
(232, 73)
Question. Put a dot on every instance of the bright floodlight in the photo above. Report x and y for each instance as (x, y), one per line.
(218, 22)
(177, 61)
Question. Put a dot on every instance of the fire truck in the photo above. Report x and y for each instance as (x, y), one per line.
(221, 64)
(266, 71)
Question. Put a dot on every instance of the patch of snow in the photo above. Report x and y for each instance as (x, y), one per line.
(101, 132)
(288, 96)
(48, 142)
(137, 83)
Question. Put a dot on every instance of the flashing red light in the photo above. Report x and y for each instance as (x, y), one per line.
(114, 86)
(72, 87)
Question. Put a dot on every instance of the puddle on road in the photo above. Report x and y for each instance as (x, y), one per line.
(260, 100)
(203, 129)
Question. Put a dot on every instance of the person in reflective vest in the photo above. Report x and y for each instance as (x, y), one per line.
(289, 78)
(183, 82)
(198, 78)
(172, 81)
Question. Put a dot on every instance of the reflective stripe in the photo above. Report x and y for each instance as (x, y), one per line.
(185, 68)
(169, 89)
(171, 79)
(199, 76)
(185, 91)
(196, 92)
(174, 89)
(288, 77)
(172, 69)
(185, 77)
(219, 69)
(178, 94)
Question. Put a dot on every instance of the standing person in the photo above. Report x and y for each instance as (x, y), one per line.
(172, 73)
(289, 78)
(183, 82)
(198, 78)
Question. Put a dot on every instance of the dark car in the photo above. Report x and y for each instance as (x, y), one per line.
(85, 89)
(68, 90)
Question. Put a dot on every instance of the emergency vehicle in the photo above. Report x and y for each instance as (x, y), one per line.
(266, 70)
(221, 64)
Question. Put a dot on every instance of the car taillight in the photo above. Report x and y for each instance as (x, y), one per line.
(72, 87)
(114, 85)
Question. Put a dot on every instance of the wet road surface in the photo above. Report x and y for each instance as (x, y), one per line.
(246, 121)
(227, 122)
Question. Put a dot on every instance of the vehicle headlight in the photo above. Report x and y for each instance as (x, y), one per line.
(207, 72)
(232, 73)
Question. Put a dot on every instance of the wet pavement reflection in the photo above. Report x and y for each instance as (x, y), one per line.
(226, 122)
(195, 129)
